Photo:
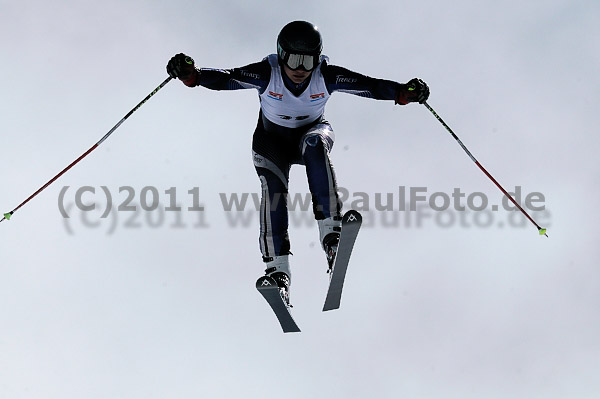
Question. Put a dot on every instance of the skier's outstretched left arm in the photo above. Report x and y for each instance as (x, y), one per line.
(344, 80)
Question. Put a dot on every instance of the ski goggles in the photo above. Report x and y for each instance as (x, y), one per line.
(297, 61)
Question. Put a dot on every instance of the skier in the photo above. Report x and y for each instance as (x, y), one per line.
(293, 87)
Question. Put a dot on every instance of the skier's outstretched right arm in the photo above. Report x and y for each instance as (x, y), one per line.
(253, 76)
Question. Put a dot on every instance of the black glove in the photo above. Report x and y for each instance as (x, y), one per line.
(414, 91)
(181, 66)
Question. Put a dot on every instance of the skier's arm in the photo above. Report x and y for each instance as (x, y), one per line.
(253, 76)
(343, 80)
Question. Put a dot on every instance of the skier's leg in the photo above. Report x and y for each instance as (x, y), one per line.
(273, 238)
(272, 162)
(274, 241)
(316, 145)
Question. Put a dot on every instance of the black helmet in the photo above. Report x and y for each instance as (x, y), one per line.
(299, 45)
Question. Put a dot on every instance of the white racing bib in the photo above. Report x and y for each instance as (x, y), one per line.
(281, 107)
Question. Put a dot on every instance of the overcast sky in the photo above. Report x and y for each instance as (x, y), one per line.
(162, 304)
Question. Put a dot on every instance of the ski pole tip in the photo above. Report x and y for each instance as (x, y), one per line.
(543, 232)
(7, 216)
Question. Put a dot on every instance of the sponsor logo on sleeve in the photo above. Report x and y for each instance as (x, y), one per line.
(342, 79)
(250, 75)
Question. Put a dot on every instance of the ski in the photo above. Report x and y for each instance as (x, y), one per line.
(270, 291)
(350, 226)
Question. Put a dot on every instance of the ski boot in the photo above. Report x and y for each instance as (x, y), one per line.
(278, 268)
(329, 232)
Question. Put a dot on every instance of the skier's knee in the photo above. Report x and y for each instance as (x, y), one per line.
(313, 140)
(265, 167)
(313, 143)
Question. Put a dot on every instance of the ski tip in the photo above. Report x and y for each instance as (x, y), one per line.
(352, 216)
(265, 282)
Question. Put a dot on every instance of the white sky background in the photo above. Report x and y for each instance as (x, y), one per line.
(427, 312)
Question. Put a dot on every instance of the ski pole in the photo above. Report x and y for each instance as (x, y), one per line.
(541, 230)
(8, 215)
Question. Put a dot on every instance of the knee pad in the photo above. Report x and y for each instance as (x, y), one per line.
(314, 142)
